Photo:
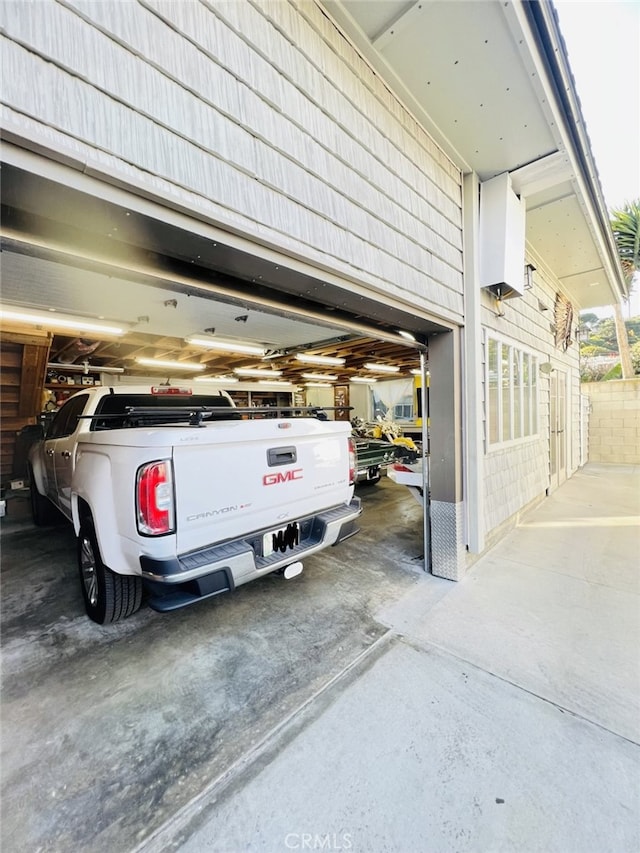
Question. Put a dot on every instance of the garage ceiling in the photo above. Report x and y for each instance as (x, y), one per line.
(162, 285)
(158, 319)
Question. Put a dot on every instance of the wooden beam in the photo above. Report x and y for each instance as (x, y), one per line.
(34, 369)
(29, 337)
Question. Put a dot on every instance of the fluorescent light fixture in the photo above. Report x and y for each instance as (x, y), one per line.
(85, 367)
(58, 321)
(329, 376)
(382, 368)
(219, 380)
(362, 379)
(260, 372)
(319, 359)
(225, 346)
(417, 372)
(406, 335)
(318, 384)
(276, 382)
(176, 365)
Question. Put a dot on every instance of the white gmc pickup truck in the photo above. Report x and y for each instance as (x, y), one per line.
(186, 495)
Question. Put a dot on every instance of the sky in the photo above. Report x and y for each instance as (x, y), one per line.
(602, 38)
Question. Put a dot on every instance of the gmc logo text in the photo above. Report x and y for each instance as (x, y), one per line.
(282, 477)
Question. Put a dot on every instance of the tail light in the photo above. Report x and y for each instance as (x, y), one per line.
(154, 499)
(352, 462)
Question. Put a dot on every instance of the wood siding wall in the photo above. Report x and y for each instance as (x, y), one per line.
(23, 363)
(516, 474)
(260, 117)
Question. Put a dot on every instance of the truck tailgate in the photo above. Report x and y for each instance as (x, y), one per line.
(257, 475)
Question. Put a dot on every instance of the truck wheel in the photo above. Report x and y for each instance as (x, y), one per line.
(42, 510)
(107, 595)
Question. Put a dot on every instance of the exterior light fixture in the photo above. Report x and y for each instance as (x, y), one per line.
(381, 368)
(225, 346)
(174, 365)
(583, 332)
(362, 379)
(319, 359)
(329, 376)
(260, 372)
(59, 321)
(528, 276)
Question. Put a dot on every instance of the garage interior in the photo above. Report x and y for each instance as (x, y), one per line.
(170, 295)
(95, 711)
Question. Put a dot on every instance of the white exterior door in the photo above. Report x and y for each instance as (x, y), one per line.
(557, 428)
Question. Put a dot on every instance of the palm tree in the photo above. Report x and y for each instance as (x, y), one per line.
(625, 224)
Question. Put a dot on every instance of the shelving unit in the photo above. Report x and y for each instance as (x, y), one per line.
(261, 399)
(65, 383)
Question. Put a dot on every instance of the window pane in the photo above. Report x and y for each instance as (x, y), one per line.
(505, 366)
(534, 395)
(494, 435)
(526, 394)
(66, 420)
(517, 394)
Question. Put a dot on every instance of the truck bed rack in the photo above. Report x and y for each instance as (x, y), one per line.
(142, 416)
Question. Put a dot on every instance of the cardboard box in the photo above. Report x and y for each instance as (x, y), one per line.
(18, 508)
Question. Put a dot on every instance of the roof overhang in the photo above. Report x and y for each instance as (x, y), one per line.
(490, 81)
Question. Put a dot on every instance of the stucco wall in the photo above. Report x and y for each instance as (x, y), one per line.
(614, 422)
(261, 118)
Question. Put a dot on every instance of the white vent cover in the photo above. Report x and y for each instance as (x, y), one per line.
(502, 234)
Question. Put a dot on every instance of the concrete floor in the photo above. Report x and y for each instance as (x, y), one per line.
(109, 731)
(364, 706)
(498, 714)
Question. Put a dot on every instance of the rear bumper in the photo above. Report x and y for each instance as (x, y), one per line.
(179, 581)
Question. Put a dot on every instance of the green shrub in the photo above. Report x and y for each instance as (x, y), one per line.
(614, 373)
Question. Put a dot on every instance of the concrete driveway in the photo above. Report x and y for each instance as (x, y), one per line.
(109, 731)
(498, 714)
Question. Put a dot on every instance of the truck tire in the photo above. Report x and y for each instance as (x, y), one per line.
(107, 595)
(42, 510)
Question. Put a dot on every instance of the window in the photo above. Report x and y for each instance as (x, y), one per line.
(66, 420)
(403, 412)
(115, 405)
(512, 393)
(494, 396)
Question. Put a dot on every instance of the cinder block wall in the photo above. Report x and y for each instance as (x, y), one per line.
(614, 423)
